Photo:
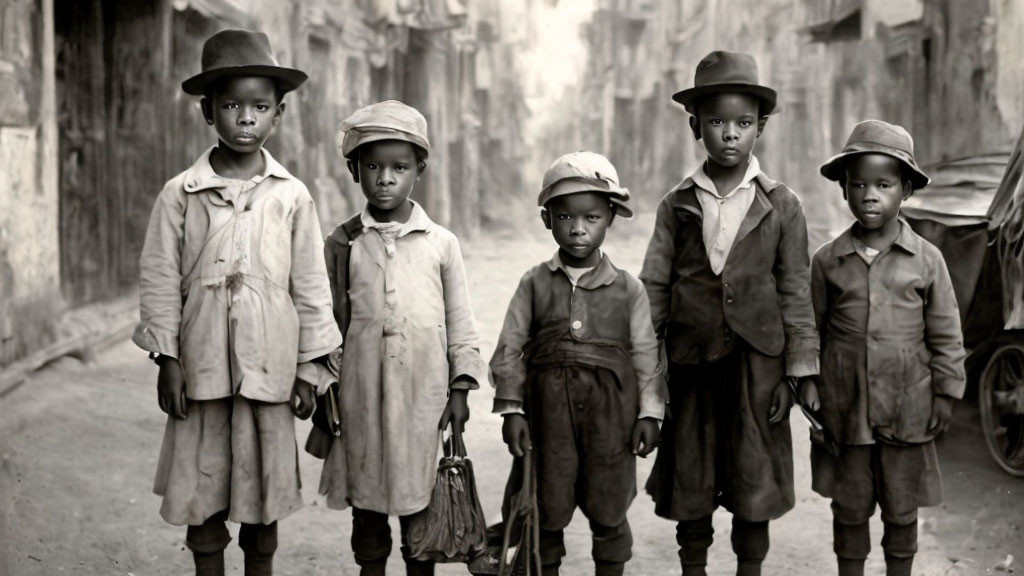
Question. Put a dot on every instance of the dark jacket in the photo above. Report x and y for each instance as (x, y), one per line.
(762, 296)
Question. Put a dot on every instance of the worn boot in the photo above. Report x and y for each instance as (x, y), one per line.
(209, 564)
(608, 568)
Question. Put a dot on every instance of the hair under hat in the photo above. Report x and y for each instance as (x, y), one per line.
(387, 120)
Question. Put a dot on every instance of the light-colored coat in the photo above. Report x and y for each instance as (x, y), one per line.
(411, 335)
(233, 282)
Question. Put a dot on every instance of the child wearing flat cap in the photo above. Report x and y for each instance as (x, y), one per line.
(236, 310)
(892, 357)
(576, 368)
(411, 352)
(728, 278)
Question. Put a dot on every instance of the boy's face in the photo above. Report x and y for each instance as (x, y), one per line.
(245, 111)
(578, 223)
(387, 171)
(729, 125)
(873, 189)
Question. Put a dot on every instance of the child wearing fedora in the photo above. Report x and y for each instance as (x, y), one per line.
(411, 352)
(892, 353)
(728, 278)
(576, 368)
(236, 310)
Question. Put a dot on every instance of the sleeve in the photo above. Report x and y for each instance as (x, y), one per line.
(819, 297)
(657, 269)
(160, 298)
(464, 362)
(942, 333)
(309, 286)
(645, 354)
(506, 407)
(793, 284)
(508, 368)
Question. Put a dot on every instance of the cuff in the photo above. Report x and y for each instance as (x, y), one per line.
(317, 374)
(463, 382)
(657, 412)
(952, 387)
(802, 364)
(505, 407)
(152, 339)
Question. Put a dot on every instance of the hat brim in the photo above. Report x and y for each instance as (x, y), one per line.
(354, 138)
(287, 79)
(690, 95)
(834, 168)
(617, 195)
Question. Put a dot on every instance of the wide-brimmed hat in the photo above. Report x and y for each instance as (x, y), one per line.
(722, 71)
(230, 53)
(387, 120)
(877, 137)
(585, 172)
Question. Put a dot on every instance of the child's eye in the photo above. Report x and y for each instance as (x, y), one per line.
(371, 166)
(262, 107)
(745, 123)
(230, 105)
(593, 218)
(400, 168)
(715, 122)
(564, 217)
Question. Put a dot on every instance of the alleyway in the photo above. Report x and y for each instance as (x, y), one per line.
(79, 445)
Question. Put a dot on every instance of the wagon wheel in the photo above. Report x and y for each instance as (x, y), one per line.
(1001, 402)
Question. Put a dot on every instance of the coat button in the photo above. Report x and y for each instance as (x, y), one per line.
(728, 300)
(576, 324)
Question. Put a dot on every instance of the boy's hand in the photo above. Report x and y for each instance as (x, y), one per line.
(809, 394)
(647, 435)
(942, 412)
(456, 412)
(782, 401)
(516, 433)
(303, 399)
(170, 388)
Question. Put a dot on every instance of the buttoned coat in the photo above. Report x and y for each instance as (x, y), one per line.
(764, 288)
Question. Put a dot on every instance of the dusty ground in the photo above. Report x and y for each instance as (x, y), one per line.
(79, 444)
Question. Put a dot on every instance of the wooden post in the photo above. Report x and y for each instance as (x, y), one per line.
(426, 90)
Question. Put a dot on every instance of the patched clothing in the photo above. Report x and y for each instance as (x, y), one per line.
(891, 338)
(584, 363)
(233, 282)
(411, 335)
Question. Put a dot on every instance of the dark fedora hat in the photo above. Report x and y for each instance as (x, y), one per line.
(240, 53)
(877, 137)
(722, 71)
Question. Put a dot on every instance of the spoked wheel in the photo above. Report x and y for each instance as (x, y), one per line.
(1001, 402)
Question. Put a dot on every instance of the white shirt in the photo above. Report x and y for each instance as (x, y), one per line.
(723, 213)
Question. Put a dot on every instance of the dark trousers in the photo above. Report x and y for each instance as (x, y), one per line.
(611, 545)
(208, 541)
(371, 543)
(750, 542)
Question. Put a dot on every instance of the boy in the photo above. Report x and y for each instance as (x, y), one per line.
(892, 353)
(728, 278)
(411, 353)
(576, 367)
(235, 304)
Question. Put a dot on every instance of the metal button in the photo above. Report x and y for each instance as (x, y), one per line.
(728, 300)
(576, 324)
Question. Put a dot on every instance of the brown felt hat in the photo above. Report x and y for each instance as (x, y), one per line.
(231, 53)
(877, 137)
(722, 71)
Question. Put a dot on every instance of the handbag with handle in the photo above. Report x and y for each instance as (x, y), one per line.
(452, 528)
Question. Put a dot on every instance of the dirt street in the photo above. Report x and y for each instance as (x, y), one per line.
(79, 444)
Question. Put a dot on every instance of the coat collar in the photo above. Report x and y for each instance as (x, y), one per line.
(907, 239)
(686, 199)
(418, 220)
(602, 274)
(201, 175)
(701, 179)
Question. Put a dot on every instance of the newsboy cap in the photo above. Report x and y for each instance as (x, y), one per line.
(584, 172)
(387, 120)
(878, 137)
(722, 71)
(231, 53)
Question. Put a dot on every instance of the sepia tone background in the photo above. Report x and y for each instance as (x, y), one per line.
(93, 121)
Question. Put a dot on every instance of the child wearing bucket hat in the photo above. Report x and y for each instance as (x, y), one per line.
(576, 368)
(231, 256)
(892, 353)
(728, 278)
(411, 350)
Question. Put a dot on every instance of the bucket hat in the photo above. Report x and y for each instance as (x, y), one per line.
(878, 137)
(231, 53)
(722, 71)
(585, 172)
(387, 120)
